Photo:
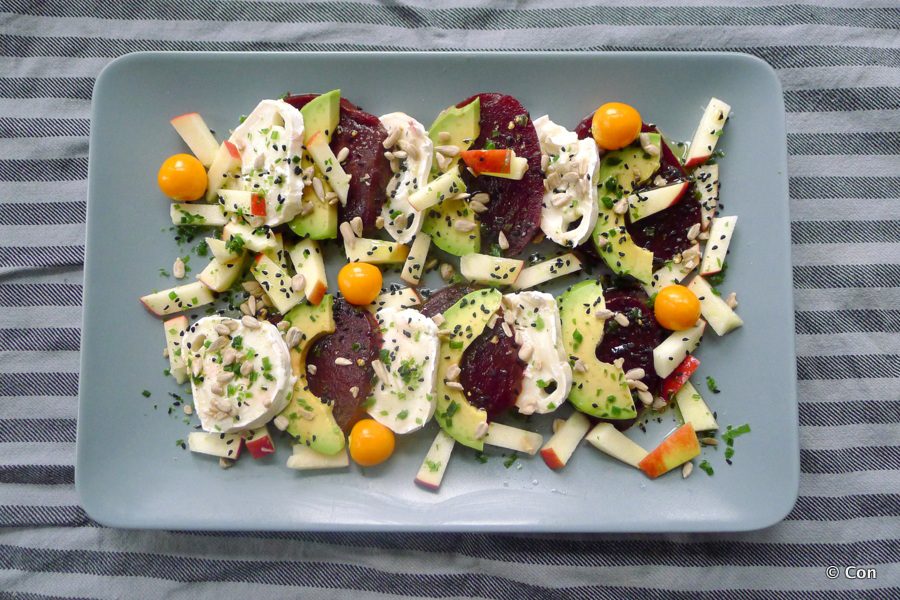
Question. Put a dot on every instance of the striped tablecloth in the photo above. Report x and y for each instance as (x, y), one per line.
(839, 63)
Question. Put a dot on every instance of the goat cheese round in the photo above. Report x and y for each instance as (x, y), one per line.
(240, 376)
(547, 380)
(569, 210)
(403, 394)
(414, 151)
(270, 141)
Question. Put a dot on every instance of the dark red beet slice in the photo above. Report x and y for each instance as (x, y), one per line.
(634, 343)
(515, 207)
(444, 298)
(363, 134)
(491, 373)
(356, 336)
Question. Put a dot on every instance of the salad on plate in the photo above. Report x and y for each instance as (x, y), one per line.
(345, 366)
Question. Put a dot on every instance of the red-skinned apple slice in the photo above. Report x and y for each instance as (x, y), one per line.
(649, 202)
(307, 259)
(609, 440)
(680, 447)
(226, 162)
(512, 438)
(678, 377)
(224, 445)
(307, 459)
(178, 299)
(260, 443)
(669, 354)
(196, 134)
(431, 473)
(559, 448)
(276, 281)
(708, 132)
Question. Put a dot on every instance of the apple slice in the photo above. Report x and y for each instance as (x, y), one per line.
(547, 270)
(329, 166)
(716, 250)
(517, 167)
(178, 299)
(276, 281)
(219, 276)
(557, 451)
(260, 443)
(221, 251)
(608, 439)
(175, 328)
(307, 459)
(396, 298)
(200, 215)
(680, 447)
(431, 473)
(694, 410)
(649, 202)
(226, 162)
(224, 445)
(415, 260)
(668, 274)
(716, 311)
(240, 202)
(446, 186)
(490, 270)
(706, 182)
(512, 438)
(307, 259)
(196, 134)
(708, 132)
(239, 235)
(669, 354)
(376, 252)
(677, 378)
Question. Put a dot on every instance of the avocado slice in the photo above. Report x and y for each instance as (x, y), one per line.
(310, 419)
(620, 172)
(320, 114)
(600, 390)
(464, 321)
(463, 126)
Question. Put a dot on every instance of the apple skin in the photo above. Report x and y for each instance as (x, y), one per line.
(674, 451)
(317, 293)
(552, 460)
(150, 310)
(428, 485)
(260, 447)
(232, 150)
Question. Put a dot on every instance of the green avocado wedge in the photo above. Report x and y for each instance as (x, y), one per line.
(620, 172)
(462, 124)
(464, 321)
(600, 389)
(310, 420)
(320, 114)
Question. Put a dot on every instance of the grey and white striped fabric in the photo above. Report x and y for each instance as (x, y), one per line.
(839, 63)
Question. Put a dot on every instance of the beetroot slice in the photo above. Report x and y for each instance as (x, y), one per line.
(363, 134)
(444, 298)
(515, 207)
(634, 343)
(356, 336)
(491, 373)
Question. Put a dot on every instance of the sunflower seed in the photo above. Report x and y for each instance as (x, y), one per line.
(579, 367)
(218, 344)
(347, 233)
(298, 283)
(392, 138)
(481, 430)
(247, 368)
(502, 241)
(703, 236)
(196, 368)
(292, 338)
(447, 271)
(619, 362)
(507, 330)
(188, 409)
(342, 154)
(251, 304)
(687, 469)
(658, 404)
(646, 398)
(250, 322)
(224, 376)
(228, 357)
(637, 384)
(442, 161)
(560, 200)
(621, 207)
(356, 224)
(318, 188)
(602, 313)
(545, 162)
(477, 207)
(637, 373)
(252, 287)
(709, 441)
(444, 136)
(311, 369)
(217, 389)
(281, 422)
(222, 329)
(401, 221)
(693, 232)
(389, 155)
(482, 197)
(447, 150)
(454, 385)
(354, 391)
(453, 372)
(463, 225)
(342, 362)
(525, 352)
(622, 320)
(178, 268)
(400, 154)
(731, 300)
(379, 222)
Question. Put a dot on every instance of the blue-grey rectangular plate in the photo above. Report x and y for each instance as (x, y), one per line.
(131, 473)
